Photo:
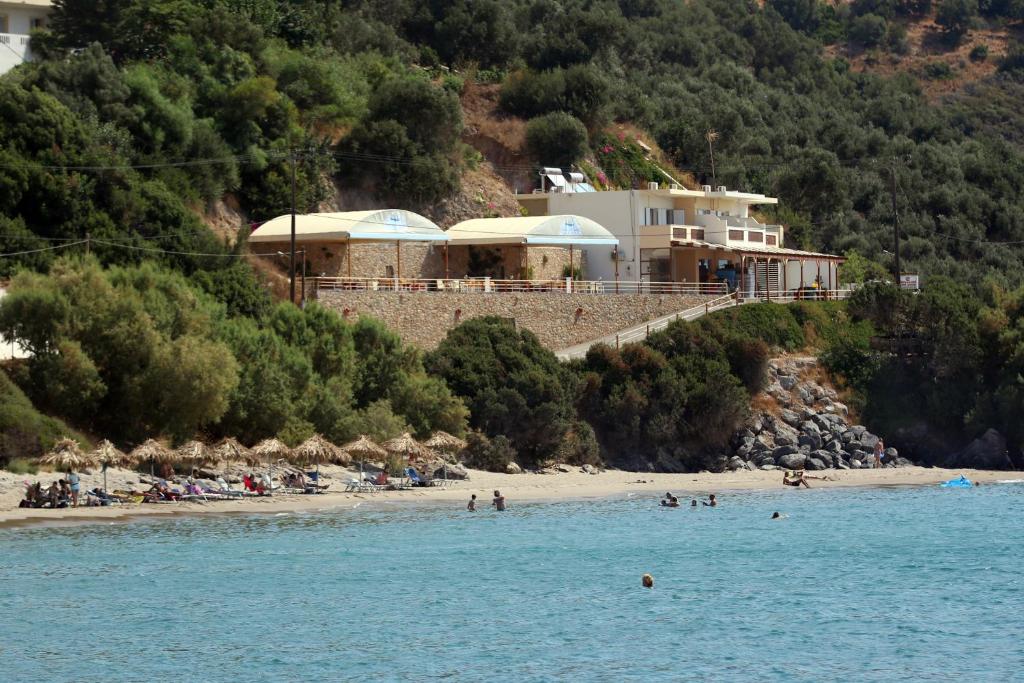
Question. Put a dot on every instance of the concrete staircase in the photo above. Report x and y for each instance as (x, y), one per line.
(641, 331)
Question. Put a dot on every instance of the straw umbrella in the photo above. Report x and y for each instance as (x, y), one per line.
(194, 452)
(316, 449)
(270, 450)
(364, 448)
(66, 456)
(408, 447)
(444, 442)
(230, 449)
(106, 454)
(154, 452)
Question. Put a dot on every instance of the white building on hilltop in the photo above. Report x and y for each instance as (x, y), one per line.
(17, 19)
(694, 236)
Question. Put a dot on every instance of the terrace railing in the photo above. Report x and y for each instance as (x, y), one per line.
(489, 285)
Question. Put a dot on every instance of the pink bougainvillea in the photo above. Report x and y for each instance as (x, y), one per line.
(607, 149)
(602, 178)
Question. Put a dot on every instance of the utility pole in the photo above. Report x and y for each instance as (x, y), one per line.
(291, 258)
(895, 227)
(87, 244)
(711, 136)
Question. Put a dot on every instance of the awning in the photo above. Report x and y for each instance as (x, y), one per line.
(532, 230)
(756, 250)
(385, 225)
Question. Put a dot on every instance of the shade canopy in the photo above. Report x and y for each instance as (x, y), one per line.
(271, 449)
(316, 450)
(66, 456)
(386, 225)
(194, 452)
(407, 446)
(153, 451)
(445, 442)
(561, 230)
(107, 454)
(231, 449)
(365, 448)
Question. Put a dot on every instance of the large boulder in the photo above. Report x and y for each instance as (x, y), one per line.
(858, 430)
(789, 417)
(787, 382)
(825, 457)
(813, 463)
(785, 435)
(987, 452)
(812, 440)
(513, 468)
(792, 461)
(449, 470)
(736, 463)
(784, 450)
(868, 441)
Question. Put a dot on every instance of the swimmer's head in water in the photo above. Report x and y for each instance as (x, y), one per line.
(693, 503)
(775, 515)
(647, 580)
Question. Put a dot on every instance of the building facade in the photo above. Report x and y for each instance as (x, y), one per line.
(17, 19)
(692, 236)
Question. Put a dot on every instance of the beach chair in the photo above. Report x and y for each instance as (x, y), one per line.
(414, 477)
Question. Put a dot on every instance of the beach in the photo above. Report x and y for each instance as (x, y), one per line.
(571, 485)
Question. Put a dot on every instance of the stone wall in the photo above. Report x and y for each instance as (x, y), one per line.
(559, 320)
(419, 259)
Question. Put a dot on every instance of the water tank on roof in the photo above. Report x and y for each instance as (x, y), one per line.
(551, 171)
(721, 188)
(652, 185)
(576, 177)
(706, 188)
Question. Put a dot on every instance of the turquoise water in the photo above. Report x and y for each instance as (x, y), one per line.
(866, 584)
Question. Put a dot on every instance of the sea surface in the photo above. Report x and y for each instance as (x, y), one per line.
(898, 584)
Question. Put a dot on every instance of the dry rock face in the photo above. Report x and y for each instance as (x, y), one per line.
(811, 430)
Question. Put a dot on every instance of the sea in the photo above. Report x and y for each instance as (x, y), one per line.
(858, 584)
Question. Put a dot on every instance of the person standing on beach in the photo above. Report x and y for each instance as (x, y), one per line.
(472, 503)
(879, 450)
(75, 482)
(498, 502)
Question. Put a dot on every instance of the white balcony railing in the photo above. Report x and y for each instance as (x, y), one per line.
(14, 49)
(487, 285)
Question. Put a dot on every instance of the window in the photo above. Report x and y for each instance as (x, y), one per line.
(697, 233)
(754, 236)
(677, 217)
(3, 23)
(389, 271)
(771, 240)
(37, 22)
(736, 235)
(656, 265)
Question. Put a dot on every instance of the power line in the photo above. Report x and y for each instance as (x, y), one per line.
(36, 251)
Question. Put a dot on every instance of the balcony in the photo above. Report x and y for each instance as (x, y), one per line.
(14, 49)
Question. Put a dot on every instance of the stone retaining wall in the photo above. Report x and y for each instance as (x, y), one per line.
(559, 320)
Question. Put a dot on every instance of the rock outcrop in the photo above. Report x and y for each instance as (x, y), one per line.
(988, 452)
(810, 429)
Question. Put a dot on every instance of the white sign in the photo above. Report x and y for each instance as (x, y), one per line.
(396, 219)
(910, 281)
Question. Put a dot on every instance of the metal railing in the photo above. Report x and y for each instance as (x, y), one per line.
(783, 296)
(487, 285)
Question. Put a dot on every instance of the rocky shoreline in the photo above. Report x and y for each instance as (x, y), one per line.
(804, 426)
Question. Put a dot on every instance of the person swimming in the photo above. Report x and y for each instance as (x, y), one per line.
(711, 502)
(693, 503)
(647, 581)
(776, 515)
(471, 506)
(498, 502)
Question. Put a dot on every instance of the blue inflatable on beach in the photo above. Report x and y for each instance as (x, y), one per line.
(961, 482)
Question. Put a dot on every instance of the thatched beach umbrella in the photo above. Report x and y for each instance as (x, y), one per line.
(365, 448)
(108, 455)
(444, 442)
(230, 450)
(407, 446)
(66, 456)
(271, 450)
(154, 452)
(316, 449)
(194, 452)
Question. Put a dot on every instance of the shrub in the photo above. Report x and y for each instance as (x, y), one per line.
(979, 53)
(868, 30)
(938, 71)
(492, 455)
(22, 466)
(956, 16)
(556, 139)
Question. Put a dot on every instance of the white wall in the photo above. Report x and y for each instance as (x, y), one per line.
(14, 40)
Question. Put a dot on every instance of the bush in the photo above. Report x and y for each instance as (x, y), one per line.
(492, 455)
(938, 71)
(956, 16)
(868, 30)
(22, 466)
(24, 431)
(556, 139)
(979, 53)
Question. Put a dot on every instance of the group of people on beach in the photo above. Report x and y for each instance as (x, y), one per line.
(59, 494)
(670, 501)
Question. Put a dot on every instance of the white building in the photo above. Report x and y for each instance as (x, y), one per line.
(681, 235)
(17, 19)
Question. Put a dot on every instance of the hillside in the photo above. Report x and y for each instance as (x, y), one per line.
(153, 134)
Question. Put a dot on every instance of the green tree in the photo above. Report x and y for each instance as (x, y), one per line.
(556, 139)
(956, 16)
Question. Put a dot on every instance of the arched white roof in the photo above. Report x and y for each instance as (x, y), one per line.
(387, 225)
(537, 230)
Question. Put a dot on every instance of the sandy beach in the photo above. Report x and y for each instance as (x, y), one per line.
(516, 487)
